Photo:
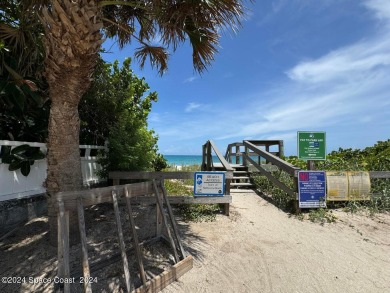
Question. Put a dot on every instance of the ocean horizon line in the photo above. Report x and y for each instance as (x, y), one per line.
(184, 160)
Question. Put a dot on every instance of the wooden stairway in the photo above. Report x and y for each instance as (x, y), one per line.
(241, 175)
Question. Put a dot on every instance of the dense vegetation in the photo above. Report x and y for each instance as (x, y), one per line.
(115, 110)
(375, 158)
(24, 109)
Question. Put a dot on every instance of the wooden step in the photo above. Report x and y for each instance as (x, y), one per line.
(241, 178)
(241, 184)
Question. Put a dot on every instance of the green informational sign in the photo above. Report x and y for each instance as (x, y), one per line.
(311, 145)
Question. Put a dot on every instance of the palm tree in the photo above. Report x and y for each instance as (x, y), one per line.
(74, 31)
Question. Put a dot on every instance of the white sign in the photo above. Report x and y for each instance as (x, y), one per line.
(209, 184)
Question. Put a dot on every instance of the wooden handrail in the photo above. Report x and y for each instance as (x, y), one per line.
(379, 174)
(223, 161)
(155, 175)
(267, 174)
(289, 168)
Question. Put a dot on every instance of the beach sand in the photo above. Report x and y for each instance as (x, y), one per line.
(258, 248)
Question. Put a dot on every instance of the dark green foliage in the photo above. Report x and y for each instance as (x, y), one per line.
(159, 163)
(23, 106)
(21, 157)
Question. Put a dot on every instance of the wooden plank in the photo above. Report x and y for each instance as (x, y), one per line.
(165, 222)
(159, 218)
(150, 175)
(289, 168)
(173, 222)
(173, 199)
(227, 192)
(167, 277)
(184, 199)
(84, 249)
(135, 238)
(281, 185)
(64, 223)
(100, 195)
(208, 156)
(121, 241)
(155, 175)
(379, 174)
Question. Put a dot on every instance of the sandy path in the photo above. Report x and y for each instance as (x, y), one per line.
(261, 249)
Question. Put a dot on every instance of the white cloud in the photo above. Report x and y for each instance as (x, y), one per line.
(192, 106)
(190, 79)
(381, 9)
(347, 63)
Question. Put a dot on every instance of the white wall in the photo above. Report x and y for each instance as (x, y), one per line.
(14, 185)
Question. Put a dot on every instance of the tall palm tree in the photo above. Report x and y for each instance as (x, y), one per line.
(74, 31)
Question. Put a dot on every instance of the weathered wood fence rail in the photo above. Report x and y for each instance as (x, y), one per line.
(235, 154)
(225, 200)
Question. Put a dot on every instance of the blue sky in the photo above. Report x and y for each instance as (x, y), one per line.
(296, 65)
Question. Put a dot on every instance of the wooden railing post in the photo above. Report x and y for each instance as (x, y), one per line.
(208, 156)
(203, 157)
(244, 160)
(226, 206)
(281, 149)
(237, 154)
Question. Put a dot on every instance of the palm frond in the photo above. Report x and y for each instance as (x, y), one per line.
(157, 55)
(175, 22)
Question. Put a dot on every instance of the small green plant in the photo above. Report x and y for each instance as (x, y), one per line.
(381, 203)
(177, 187)
(353, 206)
(322, 216)
(198, 212)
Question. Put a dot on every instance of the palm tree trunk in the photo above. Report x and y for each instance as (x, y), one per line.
(64, 166)
(72, 43)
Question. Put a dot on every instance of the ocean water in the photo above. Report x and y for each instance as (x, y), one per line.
(185, 160)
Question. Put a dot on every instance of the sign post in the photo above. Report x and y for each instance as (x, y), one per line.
(209, 184)
(312, 189)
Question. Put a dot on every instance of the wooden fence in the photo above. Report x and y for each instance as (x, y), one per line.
(225, 200)
(165, 223)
